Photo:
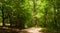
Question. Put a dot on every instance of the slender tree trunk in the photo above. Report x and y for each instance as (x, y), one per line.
(3, 19)
(10, 18)
(45, 18)
(34, 13)
(55, 14)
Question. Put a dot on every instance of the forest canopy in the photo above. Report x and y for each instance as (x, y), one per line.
(29, 13)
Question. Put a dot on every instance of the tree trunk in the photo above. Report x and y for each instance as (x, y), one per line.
(55, 14)
(3, 19)
(34, 13)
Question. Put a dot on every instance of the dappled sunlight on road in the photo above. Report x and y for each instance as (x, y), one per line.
(32, 30)
(27, 30)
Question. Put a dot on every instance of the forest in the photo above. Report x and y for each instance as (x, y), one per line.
(20, 16)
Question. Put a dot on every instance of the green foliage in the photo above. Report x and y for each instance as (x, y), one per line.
(20, 13)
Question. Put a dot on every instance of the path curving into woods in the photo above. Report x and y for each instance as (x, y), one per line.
(34, 30)
(27, 30)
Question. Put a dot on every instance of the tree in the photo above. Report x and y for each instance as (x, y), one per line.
(3, 13)
(34, 13)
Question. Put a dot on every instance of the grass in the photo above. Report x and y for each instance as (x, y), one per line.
(1, 24)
